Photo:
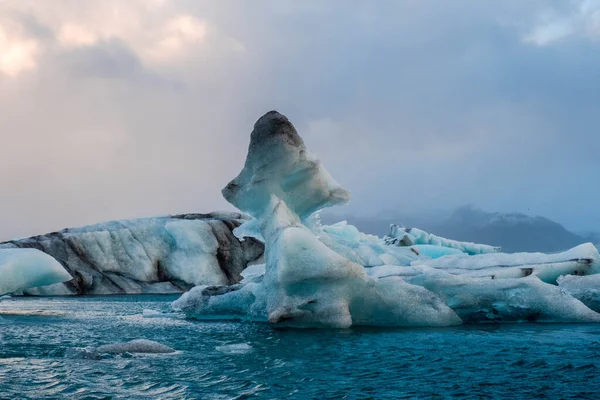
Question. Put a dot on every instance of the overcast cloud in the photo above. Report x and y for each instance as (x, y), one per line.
(115, 109)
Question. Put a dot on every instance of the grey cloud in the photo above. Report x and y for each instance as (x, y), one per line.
(410, 105)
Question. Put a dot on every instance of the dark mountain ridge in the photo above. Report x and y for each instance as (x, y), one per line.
(514, 232)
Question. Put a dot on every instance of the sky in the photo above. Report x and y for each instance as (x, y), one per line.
(118, 109)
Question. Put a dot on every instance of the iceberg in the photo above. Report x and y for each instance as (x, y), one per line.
(401, 236)
(146, 255)
(336, 277)
(279, 165)
(28, 268)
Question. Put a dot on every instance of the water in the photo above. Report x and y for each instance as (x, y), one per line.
(223, 360)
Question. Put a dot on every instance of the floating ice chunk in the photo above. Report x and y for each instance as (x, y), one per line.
(135, 346)
(581, 260)
(504, 300)
(146, 313)
(26, 268)
(584, 288)
(279, 164)
(236, 348)
(237, 302)
(82, 353)
(401, 236)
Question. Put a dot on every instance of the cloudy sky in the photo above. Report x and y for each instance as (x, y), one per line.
(113, 109)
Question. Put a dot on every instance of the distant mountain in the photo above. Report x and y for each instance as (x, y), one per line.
(514, 232)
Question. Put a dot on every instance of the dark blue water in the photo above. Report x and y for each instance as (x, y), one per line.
(223, 360)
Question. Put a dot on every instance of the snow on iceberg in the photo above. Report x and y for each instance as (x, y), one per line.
(27, 268)
(335, 276)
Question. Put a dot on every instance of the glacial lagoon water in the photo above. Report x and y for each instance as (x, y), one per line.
(227, 360)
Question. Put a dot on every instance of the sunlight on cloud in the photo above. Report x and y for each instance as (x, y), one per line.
(71, 35)
(17, 54)
(156, 31)
(177, 34)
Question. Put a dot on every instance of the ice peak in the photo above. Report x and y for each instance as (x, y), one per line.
(278, 164)
(271, 124)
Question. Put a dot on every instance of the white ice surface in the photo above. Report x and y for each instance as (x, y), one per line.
(581, 260)
(402, 236)
(195, 258)
(27, 268)
(505, 300)
(584, 288)
(252, 272)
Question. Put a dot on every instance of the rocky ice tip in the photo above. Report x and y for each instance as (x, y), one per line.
(278, 165)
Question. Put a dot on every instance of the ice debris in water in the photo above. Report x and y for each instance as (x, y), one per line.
(27, 268)
(135, 346)
(336, 276)
(82, 353)
(236, 348)
(146, 313)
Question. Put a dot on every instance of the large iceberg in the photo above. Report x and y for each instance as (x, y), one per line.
(336, 276)
(147, 255)
(28, 268)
